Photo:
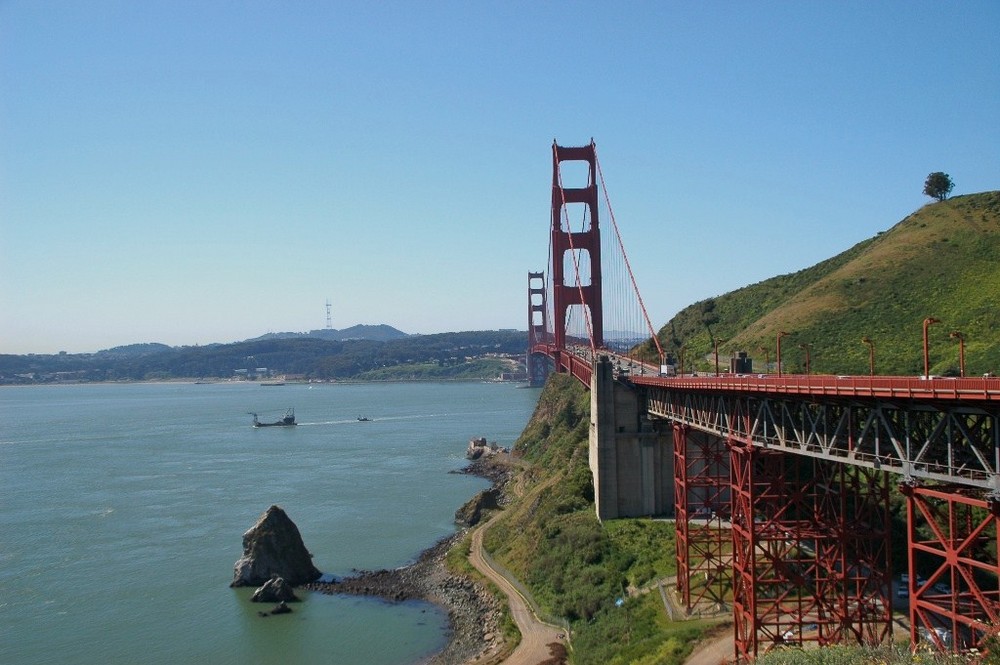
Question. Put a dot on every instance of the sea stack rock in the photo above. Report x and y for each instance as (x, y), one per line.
(273, 547)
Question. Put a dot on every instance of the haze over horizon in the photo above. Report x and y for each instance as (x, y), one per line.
(190, 172)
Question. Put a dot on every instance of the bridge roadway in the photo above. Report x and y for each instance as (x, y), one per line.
(941, 429)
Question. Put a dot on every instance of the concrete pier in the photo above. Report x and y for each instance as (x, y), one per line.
(631, 459)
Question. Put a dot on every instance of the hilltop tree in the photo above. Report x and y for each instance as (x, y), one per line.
(938, 185)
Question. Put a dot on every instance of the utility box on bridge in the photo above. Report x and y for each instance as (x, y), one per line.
(741, 364)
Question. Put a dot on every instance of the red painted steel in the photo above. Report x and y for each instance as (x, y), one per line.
(564, 240)
(810, 552)
(702, 503)
(954, 575)
(881, 387)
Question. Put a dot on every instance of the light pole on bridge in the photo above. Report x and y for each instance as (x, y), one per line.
(778, 353)
(717, 342)
(930, 320)
(961, 351)
(871, 354)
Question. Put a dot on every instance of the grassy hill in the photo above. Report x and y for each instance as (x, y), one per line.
(579, 570)
(942, 261)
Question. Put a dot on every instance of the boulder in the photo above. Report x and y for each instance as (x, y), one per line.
(273, 547)
(274, 590)
(472, 512)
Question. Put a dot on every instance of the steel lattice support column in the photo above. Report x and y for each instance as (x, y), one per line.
(854, 565)
(702, 499)
(564, 240)
(954, 583)
(810, 558)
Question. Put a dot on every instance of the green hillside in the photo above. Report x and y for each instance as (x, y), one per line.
(580, 571)
(943, 261)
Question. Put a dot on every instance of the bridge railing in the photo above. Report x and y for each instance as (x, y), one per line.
(882, 387)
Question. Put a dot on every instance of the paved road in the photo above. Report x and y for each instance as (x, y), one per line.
(536, 636)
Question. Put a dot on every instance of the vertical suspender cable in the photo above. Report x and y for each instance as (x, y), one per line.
(628, 266)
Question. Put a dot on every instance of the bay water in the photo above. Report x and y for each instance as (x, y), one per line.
(123, 508)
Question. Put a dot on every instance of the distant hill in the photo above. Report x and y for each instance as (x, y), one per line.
(379, 333)
(943, 261)
(134, 350)
(461, 355)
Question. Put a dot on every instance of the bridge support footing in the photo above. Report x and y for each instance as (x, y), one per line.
(630, 457)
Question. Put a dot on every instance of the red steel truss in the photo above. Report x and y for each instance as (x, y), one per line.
(702, 499)
(941, 441)
(954, 576)
(810, 552)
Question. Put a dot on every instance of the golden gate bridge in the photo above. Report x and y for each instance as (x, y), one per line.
(779, 483)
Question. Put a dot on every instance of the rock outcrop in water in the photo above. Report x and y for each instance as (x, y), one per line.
(273, 547)
(275, 590)
(480, 447)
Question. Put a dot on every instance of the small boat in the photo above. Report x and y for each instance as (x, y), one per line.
(364, 419)
(287, 421)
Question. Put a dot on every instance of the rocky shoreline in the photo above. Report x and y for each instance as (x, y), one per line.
(473, 612)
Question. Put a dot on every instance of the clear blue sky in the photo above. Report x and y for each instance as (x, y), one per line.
(197, 172)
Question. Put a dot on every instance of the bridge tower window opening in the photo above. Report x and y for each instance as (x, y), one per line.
(577, 264)
(576, 173)
(575, 218)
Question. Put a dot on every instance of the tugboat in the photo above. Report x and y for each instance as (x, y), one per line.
(287, 421)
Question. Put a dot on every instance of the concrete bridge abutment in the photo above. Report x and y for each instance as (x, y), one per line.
(631, 456)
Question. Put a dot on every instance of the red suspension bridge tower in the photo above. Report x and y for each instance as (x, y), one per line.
(582, 247)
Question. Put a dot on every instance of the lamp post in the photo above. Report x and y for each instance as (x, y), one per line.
(805, 347)
(767, 357)
(871, 355)
(778, 351)
(930, 320)
(961, 351)
(717, 342)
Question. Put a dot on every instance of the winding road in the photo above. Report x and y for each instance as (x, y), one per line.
(536, 635)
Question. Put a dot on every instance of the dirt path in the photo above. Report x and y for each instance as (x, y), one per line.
(536, 636)
(717, 648)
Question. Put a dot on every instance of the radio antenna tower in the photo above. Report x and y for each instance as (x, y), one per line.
(329, 319)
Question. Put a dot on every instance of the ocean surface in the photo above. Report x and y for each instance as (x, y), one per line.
(123, 509)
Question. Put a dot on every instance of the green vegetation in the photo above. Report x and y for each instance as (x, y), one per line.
(943, 261)
(574, 566)
(938, 185)
(898, 654)
(447, 356)
(476, 368)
